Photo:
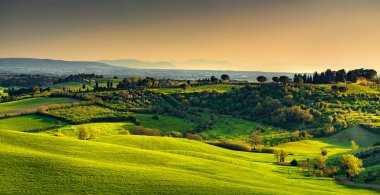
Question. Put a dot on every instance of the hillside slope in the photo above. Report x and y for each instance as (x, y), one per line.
(360, 135)
(39, 163)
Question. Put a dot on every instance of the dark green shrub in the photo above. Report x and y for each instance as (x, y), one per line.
(140, 130)
(233, 146)
(174, 134)
(294, 162)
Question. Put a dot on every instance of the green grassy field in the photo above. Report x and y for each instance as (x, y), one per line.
(240, 129)
(214, 87)
(165, 123)
(2, 93)
(30, 122)
(304, 149)
(354, 88)
(360, 135)
(30, 105)
(103, 129)
(38, 163)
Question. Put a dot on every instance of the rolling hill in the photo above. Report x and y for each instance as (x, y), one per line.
(40, 163)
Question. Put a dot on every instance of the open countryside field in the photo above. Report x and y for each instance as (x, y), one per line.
(165, 123)
(235, 128)
(31, 105)
(145, 166)
(361, 136)
(102, 128)
(30, 122)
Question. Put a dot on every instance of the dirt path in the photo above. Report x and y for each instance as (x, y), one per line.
(344, 181)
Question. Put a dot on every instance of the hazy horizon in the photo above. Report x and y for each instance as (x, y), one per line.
(271, 36)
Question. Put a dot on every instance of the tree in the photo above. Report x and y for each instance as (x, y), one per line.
(324, 151)
(284, 80)
(255, 139)
(294, 162)
(276, 79)
(225, 77)
(213, 79)
(283, 155)
(96, 85)
(280, 155)
(261, 79)
(352, 165)
(354, 146)
(184, 86)
(298, 80)
(320, 162)
(83, 86)
(84, 133)
(277, 155)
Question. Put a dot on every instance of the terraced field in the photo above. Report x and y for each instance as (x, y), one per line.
(31, 105)
(38, 163)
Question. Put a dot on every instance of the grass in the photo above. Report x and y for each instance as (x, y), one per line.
(165, 123)
(221, 88)
(103, 129)
(2, 93)
(37, 163)
(309, 149)
(235, 128)
(86, 113)
(30, 105)
(354, 88)
(360, 135)
(29, 123)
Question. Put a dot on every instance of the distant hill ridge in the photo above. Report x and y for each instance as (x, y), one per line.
(30, 62)
(160, 70)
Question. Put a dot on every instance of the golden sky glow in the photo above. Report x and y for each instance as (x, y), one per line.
(291, 36)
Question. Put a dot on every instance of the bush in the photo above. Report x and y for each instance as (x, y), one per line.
(233, 146)
(267, 150)
(259, 148)
(59, 134)
(41, 109)
(124, 132)
(324, 151)
(140, 130)
(294, 162)
(156, 117)
(174, 134)
(84, 133)
(193, 137)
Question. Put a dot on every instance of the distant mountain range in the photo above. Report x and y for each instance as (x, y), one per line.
(132, 63)
(129, 68)
(194, 64)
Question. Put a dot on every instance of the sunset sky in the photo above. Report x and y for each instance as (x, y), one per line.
(266, 35)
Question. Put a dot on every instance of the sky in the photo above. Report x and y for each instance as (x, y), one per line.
(261, 35)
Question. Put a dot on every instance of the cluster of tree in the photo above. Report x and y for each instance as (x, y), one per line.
(140, 130)
(330, 76)
(292, 114)
(79, 78)
(135, 82)
(25, 80)
(326, 77)
(26, 91)
(282, 79)
(214, 79)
